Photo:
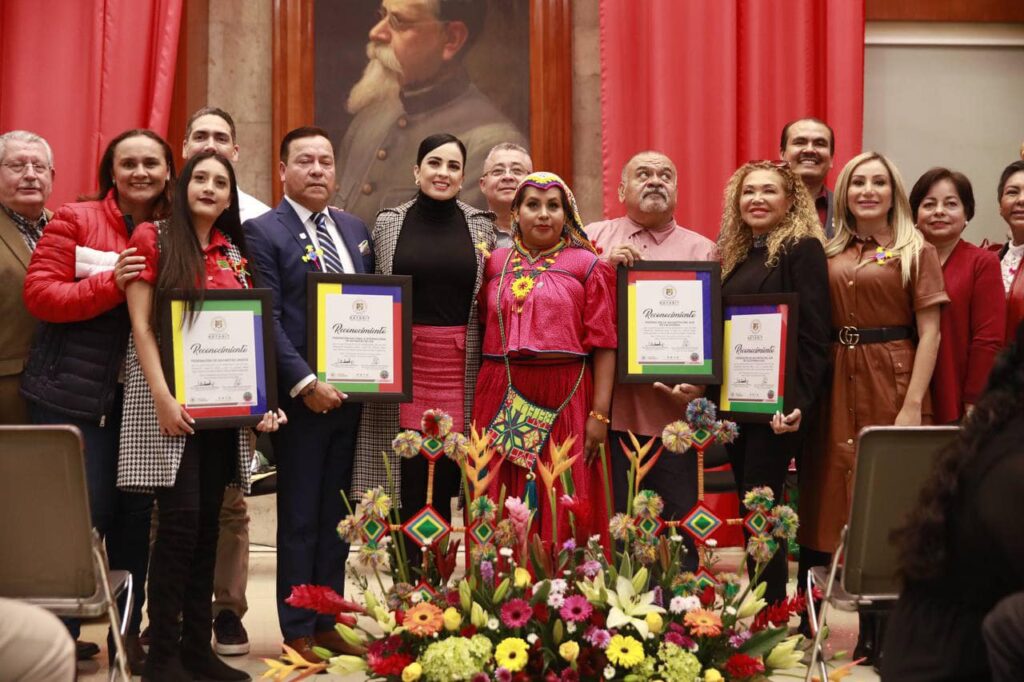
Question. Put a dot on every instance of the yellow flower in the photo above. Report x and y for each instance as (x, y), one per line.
(624, 651)
(412, 672)
(452, 619)
(654, 622)
(569, 651)
(712, 675)
(424, 619)
(522, 286)
(703, 623)
(512, 654)
(522, 578)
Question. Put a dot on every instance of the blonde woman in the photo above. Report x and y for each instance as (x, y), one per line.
(886, 288)
(771, 243)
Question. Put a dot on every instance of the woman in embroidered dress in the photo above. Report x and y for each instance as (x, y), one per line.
(548, 309)
(886, 286)
(1011, 208)
(201, 247)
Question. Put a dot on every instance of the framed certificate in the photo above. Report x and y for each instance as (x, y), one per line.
(759, 356)
(670, 322)
(220, 363)
(360, 334)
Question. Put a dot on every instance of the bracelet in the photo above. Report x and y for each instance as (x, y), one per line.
(600, 417)
(308, 389)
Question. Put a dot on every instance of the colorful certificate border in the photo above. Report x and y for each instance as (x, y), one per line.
(256, 301)
(628, 369)
(399, 288)
(788, 306)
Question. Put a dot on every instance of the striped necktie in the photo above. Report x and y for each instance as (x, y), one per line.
(330, 259)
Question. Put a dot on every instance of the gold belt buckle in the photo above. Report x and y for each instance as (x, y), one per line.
(849, 336)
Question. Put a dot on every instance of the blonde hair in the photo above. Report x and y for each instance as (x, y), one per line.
(907, 240)
(800, 221)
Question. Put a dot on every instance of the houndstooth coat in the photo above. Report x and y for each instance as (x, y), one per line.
(379, 423)
(148, 459)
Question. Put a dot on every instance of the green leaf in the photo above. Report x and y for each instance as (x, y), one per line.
(558, 632)
(541, 594)
(763, 642)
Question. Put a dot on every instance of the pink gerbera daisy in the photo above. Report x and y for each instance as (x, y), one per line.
(576, 608)
(516, 613)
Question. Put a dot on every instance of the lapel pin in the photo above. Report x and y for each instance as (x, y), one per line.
(302, 235)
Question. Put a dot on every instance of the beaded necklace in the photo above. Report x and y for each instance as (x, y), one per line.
(524, 280)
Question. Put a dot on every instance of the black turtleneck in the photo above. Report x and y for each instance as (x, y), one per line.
(435, 247)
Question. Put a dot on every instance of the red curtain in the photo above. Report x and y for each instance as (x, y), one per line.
(78, 72)
(711, 83)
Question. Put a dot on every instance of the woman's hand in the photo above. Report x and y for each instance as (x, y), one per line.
(172, 417)
(909, 415)
(596, 434)
(272, 421)
(128, 267)
(680, 394)
(786, 423)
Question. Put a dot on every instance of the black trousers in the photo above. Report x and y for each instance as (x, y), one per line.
(673, 477)
(761, 458)
(185, 551)
(1003, 629)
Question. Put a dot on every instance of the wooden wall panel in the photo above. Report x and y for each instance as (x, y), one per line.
(190, 71)
(292, 74)
(945, 10)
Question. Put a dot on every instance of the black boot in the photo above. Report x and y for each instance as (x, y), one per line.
(168, 572)
(865, 648)
(197, 609)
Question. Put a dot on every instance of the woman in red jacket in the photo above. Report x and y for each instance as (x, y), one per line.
(1011, 208)
(201, 247)
(75, 285)
(973, 324)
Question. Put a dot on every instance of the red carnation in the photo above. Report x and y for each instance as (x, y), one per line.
(597, 618)
(384, 657)
(467, 631)
(321, 599)
(741, 666)
(707, 595)
(540, 612)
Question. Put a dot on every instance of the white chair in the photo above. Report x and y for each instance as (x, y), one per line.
(52, 556)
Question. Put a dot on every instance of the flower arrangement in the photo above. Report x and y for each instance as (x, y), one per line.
(567, 610)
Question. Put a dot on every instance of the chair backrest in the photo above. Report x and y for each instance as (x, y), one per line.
(893, 464)
(46, 530)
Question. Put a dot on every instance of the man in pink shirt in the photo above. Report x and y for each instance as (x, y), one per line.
(649, 231)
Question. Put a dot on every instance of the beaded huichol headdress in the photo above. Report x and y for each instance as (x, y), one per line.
(573, 223)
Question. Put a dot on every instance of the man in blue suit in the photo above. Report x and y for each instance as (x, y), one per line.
(315, 450)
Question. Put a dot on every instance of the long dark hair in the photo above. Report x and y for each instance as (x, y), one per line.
(162, 205)
(182, 263)
(923, 542)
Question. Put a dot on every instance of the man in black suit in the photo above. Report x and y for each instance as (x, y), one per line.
(315, 450)
(808, 145)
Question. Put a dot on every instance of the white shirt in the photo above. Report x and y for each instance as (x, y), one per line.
(250, 207)
(1010, 264)
(306, 218)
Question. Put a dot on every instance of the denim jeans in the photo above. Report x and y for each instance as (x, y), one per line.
(121, 518)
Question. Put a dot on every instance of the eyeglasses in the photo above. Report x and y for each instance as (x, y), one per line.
(22, 168)
(399, 25)
(501, 171)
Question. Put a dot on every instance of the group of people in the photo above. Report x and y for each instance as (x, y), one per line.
(900, 321)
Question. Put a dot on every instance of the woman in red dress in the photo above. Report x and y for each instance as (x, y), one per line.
(973, 323)
(548, 307)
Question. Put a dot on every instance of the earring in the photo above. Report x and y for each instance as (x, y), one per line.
(417, 182)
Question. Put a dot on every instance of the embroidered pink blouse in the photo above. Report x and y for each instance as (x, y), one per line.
(571, 308)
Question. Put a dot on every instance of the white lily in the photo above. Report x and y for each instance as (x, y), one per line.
(343, 665)
(785, 654)
(593, 589)
(630, 607)
(753, 602)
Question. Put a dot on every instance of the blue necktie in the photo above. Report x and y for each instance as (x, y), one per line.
(330, 259)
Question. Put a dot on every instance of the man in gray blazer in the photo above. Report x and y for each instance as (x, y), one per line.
(808, 145)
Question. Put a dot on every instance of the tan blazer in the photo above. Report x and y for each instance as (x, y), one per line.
(16, 325)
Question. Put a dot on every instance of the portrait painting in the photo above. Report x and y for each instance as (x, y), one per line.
(388, 74)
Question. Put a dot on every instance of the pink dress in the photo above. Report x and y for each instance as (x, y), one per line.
(569, 311)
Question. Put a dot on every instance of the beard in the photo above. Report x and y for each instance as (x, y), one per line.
(380, 80)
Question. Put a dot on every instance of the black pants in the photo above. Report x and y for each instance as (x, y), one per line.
(185, 551)
(447, 479)
(761, 458)
(1003, 629)
(673, 477)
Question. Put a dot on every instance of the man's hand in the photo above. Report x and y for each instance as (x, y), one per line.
(680, 394)
(323, 398)
(625, 254)
(128, 267)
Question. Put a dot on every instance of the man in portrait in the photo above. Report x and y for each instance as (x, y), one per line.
(415, 85)
(807, 145)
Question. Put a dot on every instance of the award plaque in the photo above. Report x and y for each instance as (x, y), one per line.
(670, 322)
(219, 361)
(360, 334)
(759, 356)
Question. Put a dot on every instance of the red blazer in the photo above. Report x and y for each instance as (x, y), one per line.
(973, 328)
(51, 291)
